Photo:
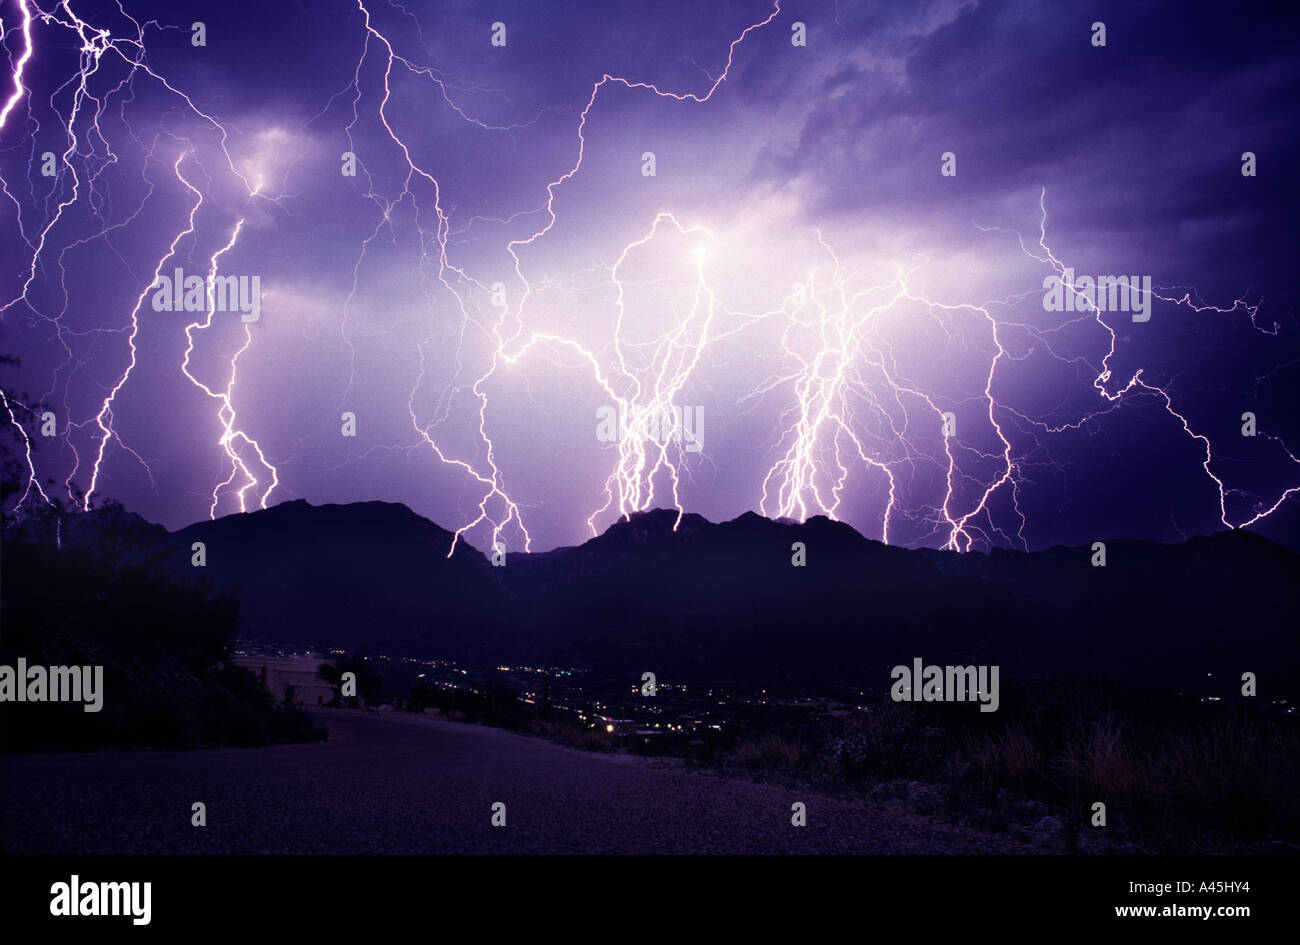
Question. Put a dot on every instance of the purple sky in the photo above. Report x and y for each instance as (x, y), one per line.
(798, 272)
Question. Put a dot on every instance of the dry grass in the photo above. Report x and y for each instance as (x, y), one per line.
(770, 751)
(1008, 758)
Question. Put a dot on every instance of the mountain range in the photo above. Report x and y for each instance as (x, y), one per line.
(723, 601)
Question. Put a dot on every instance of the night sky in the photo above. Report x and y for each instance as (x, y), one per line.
(797, 270)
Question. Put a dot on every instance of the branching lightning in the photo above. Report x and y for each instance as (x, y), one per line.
(859, 434)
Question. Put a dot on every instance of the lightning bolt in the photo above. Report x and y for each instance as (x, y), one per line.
(1189, 300)
(33, 481)
(230, 435)
(96, 45)
(853, 409)
(21, 64)
(857, 423)
(630, 486)
(104, 419)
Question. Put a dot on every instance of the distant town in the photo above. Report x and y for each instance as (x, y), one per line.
(566, 694)
(620, 707)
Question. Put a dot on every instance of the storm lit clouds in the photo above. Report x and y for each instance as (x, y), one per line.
(796, 267)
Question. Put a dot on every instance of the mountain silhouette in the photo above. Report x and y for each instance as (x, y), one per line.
(722, 601)
(368, 574)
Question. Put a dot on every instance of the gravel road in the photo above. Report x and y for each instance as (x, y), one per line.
(390, 784)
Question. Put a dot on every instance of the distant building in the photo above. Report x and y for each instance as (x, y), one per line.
(617, 726)
(291, 680)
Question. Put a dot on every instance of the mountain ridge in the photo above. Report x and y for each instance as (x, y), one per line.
(723, 600)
